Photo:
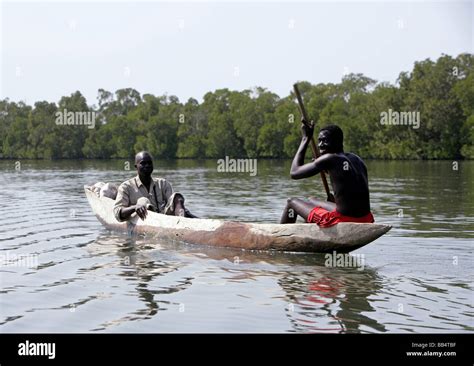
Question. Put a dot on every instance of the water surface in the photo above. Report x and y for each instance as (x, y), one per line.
(61, 271)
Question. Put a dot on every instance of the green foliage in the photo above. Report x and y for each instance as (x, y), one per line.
(222, 139)
(41, 127)
(14, 129)
(257, 122)
(192, 131)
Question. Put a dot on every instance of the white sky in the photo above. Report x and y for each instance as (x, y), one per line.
(51, 49)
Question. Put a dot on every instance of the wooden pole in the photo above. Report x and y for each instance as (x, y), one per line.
(314, 147)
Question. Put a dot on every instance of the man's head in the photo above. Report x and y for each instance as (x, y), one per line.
(144, 163)
(330, 140)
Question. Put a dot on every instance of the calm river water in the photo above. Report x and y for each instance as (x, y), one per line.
(61, 271)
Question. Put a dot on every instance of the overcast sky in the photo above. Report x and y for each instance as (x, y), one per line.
(51, 49)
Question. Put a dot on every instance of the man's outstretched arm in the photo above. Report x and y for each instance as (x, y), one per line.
(299, 169)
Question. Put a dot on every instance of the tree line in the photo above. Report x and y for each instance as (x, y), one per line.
(257, 123)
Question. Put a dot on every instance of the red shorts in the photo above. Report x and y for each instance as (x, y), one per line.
(325, 218)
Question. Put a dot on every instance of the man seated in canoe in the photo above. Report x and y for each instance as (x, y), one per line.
(348, 173)
(143, 193)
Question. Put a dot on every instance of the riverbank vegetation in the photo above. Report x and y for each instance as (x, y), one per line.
(376, 118)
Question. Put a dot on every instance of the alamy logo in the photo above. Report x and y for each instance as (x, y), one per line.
(400, 118)
(228, 165)
(345, 260)
(37, 349)
(19, 260)
(65, 118)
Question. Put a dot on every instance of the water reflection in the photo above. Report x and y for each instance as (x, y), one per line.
(317, 298)
(331, 300)
(137, 266)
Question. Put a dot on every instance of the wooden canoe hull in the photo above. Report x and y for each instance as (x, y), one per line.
(343, 237)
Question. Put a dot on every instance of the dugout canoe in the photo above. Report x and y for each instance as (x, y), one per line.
(343, 237)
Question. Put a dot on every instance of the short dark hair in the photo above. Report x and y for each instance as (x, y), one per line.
(336, 135)
(141, 155)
